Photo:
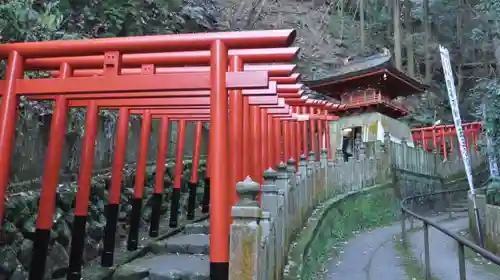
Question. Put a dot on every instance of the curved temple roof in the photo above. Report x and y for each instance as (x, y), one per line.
(376, 71)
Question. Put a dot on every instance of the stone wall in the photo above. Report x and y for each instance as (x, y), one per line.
(490, 222)
(16, 238)
(262, 235)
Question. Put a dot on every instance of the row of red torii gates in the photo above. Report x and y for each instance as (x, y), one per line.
(443, 138)
(184, 78)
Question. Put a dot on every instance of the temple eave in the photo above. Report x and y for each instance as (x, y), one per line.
(389, 109)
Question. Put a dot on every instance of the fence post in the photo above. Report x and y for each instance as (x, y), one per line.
(304, 186)
(339, 156)
(324, 172)
(329, 178)
(265, 261)
(245, 234)
(426, 252)
(283, 188)
(272, 202)
(311, 170)
(292, 181)
(303, 166)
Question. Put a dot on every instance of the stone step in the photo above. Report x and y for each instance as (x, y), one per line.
(166, 267)
(457, 209)
(190, 244)
(197, 228)
(460, 205)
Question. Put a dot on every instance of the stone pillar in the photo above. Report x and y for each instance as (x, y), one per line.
(245, 234)
(283, 189)
(362, 151)
(293, 201)
(311, 171)
(387, 139)
(339, 156)
(282, 178)
(323, 157)
(265, 224)
(404, 142)
(323, 173)
(330, 182)
(304, 185)
(303, 167)
(357, 141)
(272, 203)
(270, 198)
(387, 148)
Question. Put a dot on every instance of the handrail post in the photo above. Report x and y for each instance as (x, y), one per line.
(403, 227)
(426, 252)
(461, 261)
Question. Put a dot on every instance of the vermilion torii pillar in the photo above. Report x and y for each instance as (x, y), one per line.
(216, 81)
(196, 107)
(305, 104)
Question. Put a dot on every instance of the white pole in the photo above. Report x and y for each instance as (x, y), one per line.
(452, 96)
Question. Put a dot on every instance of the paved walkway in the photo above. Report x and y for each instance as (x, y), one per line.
(369, 256)
(443, 252)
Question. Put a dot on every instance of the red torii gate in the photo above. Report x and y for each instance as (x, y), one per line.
(113, 48)
(443, 137)
(179, 106)
(151, 84)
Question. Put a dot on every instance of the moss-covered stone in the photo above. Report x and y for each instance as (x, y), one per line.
(21, 214)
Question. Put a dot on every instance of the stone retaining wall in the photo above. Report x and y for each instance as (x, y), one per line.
(490, 219)
(261, 235)
(21, 214)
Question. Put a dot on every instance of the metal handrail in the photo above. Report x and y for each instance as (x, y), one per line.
(461, 242)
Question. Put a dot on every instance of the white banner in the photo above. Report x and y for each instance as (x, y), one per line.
(452, 96)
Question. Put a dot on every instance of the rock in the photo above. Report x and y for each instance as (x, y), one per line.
(63, 232)
(69, 217)
(21, 215)
(24, 253)
(66, 195)
(58, 257)
(165, 267)
(19, 274)
(20, 206)
(8, 261)
(92, 249)
(187, 244)
(9, 234)
(197, 228)
(29, 227)
(95, 230)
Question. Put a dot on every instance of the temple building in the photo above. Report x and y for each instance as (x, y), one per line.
(367, 89)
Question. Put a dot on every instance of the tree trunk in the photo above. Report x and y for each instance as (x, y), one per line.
(409, 40)
(397, 34)
(362, 25)
(496, 50)
(427, 32)
(389, 4)
(460, 50)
